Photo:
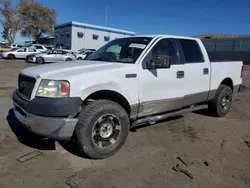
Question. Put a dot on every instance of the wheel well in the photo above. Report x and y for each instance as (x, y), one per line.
(112, 96)
(228, 82)
(11, 54)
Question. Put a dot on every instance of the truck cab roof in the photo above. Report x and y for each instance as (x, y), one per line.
(167, 36)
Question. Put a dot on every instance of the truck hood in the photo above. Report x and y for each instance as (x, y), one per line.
(64, 70)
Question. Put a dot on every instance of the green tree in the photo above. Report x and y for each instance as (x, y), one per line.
(35, 19)
(9, 21)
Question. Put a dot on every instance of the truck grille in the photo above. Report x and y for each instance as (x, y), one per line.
(26, 85)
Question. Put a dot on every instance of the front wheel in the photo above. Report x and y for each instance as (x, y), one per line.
(222, 102)
(102, 129)
(68, 59)
(40, 60)
(11, 56)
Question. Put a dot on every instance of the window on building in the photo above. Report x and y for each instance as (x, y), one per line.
(106, 38)
(191, 50)
(95, 37)
(80, 34)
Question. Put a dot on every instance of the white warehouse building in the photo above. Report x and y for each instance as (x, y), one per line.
(75, 35)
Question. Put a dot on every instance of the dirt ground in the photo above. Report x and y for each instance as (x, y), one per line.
(145, 161)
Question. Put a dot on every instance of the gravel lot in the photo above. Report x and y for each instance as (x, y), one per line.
(145, 161)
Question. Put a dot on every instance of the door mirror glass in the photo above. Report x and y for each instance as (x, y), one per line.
(161, 61)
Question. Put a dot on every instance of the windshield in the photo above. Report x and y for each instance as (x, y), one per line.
(125, 50)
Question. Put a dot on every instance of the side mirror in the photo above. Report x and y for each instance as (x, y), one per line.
(161, 61)
(150, 65)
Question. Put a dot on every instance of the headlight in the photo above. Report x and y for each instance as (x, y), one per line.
(53, 89)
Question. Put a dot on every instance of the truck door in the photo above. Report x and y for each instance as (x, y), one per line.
(161, 89)
(197, 71)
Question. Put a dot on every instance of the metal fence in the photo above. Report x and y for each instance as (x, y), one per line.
(227, 45)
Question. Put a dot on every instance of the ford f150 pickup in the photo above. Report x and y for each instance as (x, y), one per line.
(128, 81)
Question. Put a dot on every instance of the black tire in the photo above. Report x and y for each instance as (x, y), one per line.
(68, 59)
(88, 119)
(216, 106)
(79, 58)
(40, 60)
(11, 56)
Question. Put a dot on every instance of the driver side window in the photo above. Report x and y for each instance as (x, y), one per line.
(116, 49)
(165, 47)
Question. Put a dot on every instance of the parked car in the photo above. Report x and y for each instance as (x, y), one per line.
(51, 56)
(19, 53)
(129, 81)
(83, 54)
(84, 49)
(16, 46)
(40, 47)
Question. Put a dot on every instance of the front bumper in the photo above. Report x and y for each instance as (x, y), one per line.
(47, 118)
(60, 129)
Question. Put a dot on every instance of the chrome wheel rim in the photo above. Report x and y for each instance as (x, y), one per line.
(225, 102)
(106, 131)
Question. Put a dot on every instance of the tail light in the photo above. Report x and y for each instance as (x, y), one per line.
(241, 73)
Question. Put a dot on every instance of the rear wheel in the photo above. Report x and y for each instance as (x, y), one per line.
(11, 56)
(40, 60)
(222, 102)
(102, 129)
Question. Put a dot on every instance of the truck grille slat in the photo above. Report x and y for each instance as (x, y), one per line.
(26, 85)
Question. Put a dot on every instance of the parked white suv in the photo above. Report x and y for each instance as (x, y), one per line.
(128, 81)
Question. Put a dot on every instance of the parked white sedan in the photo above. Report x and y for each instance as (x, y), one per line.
(51, 56)
(82, 54)
(19, 53)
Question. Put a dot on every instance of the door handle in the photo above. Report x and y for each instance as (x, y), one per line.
(205, 71)
(180, 74)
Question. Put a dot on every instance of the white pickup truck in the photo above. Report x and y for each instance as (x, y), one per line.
(126, 82)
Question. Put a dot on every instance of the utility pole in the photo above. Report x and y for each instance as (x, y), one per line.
(106, 15)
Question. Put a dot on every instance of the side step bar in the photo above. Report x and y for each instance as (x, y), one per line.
(153, 119)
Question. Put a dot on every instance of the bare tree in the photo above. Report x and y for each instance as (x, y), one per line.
(9, 21)
(35, 19)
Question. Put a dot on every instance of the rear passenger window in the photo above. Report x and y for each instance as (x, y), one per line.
(191, 51)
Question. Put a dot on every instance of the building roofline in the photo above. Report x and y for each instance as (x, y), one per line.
(97, 27)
